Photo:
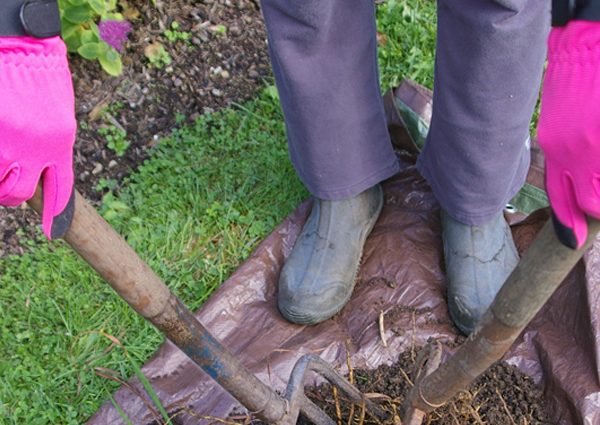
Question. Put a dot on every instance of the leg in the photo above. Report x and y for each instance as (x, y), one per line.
(324, 56)
(489, 62)
(325, 63)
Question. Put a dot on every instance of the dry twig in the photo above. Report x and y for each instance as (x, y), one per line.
(351, 380)
(382, 329)
(512, 420)
(338, 409)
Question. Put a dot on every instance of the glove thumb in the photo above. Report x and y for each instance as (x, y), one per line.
(570, 223)
(58, 200)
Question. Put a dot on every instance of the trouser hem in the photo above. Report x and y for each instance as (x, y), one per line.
(354, 189)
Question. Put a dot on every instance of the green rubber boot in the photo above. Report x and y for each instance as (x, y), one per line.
(478, 261)
(319, 275)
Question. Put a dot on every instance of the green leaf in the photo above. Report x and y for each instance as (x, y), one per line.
(77, 2)
(121, 411)
(111, 62)
(78, 14)
(88, 36)
(68, 29)
(90, 51)
(73, 41)
(113, 16)
(272, 92)
(149, 390)
(99, 6)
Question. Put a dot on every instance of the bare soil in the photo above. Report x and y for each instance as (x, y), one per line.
(502, 396)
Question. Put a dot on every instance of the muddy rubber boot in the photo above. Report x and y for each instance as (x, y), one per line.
(319, 275)
(478, 261)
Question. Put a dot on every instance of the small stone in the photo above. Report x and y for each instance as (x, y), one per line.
(112, 164)
(224, 74)
(97, 169)
(216, 92)
(253, 74)
(83, 176)
(177, 82)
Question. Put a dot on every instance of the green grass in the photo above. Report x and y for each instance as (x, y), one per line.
(194, 211)
(407, 31)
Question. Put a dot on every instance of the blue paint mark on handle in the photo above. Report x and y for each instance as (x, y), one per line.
(205, 356)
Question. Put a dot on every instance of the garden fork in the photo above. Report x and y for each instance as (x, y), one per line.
(110, 255)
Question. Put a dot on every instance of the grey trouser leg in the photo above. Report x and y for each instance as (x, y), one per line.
(324, 56)
(489, 62)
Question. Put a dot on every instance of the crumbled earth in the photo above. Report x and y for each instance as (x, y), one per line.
(503, 395)
(222, 60)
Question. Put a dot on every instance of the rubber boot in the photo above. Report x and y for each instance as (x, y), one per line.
(478, 261)
(319, 275)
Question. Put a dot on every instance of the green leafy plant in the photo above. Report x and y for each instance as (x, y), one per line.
(157, 55)
(114, 209)
(116, 139)
(82, 33)
(106, 184)
(174, 35)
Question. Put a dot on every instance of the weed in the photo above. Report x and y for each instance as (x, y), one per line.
(179, 118)
(116, 138)
(157, 55)
(106, 185)
(174, 35)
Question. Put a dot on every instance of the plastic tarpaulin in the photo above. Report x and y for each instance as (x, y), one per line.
(402, 276)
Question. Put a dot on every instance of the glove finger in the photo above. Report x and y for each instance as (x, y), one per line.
(9, 176)
(23, 188)
(588, 195)
(569, 221)
(56, 201)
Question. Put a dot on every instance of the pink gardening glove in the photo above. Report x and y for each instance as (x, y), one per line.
(569, 128)
(37, 124)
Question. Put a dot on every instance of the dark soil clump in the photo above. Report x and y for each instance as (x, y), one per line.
(224, 60)
(502, 396)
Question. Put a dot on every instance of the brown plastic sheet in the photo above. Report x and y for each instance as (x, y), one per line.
(402, 275)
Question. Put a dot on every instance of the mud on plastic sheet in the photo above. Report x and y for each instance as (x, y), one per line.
(401, 275)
